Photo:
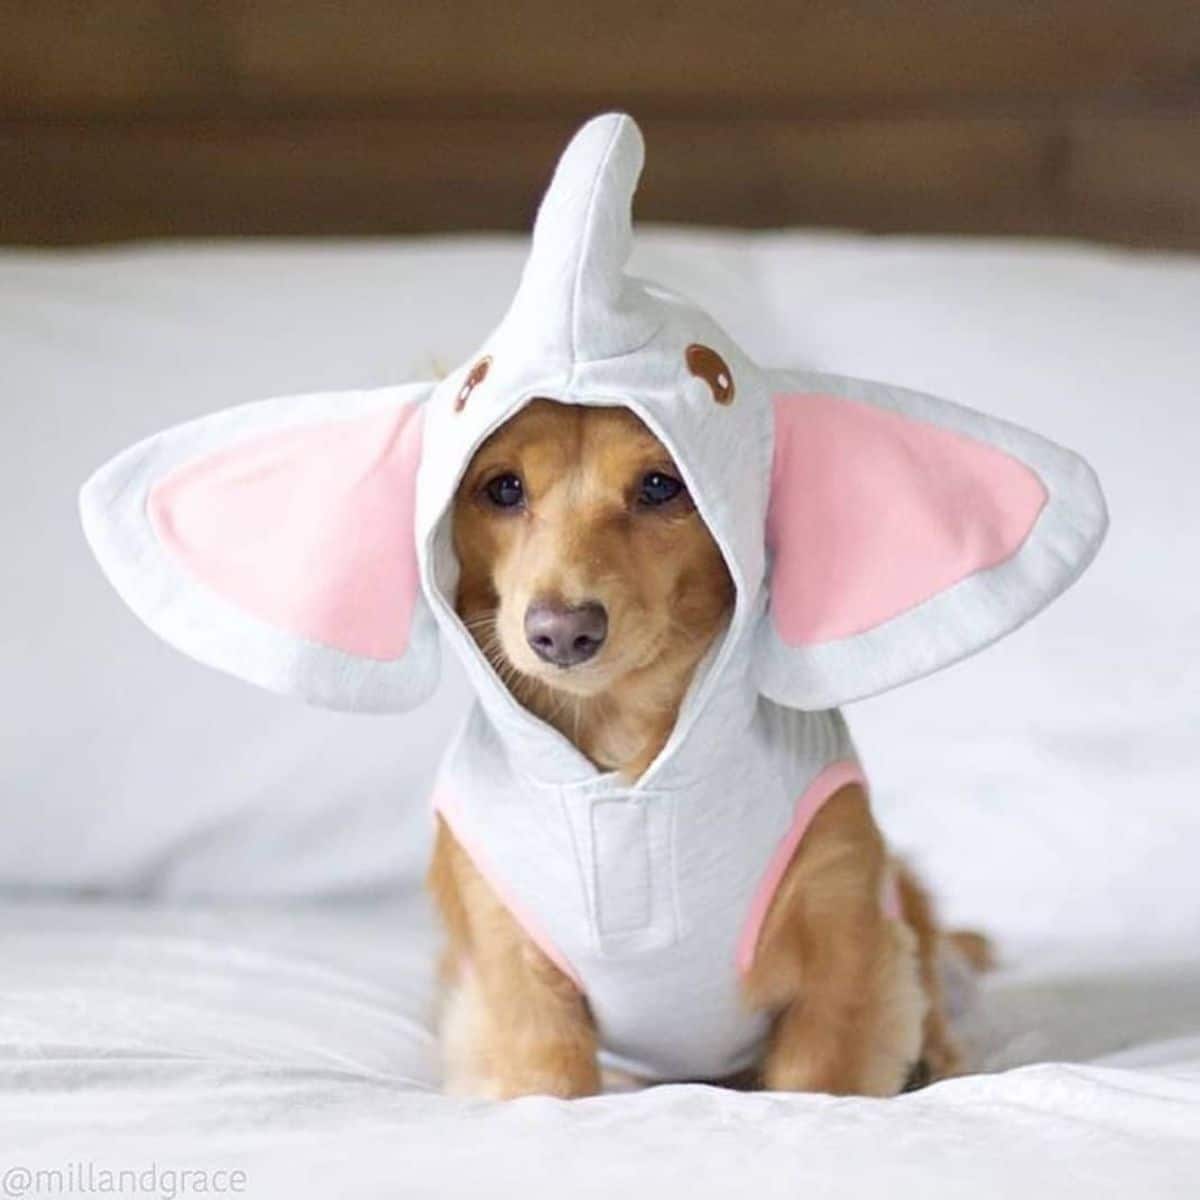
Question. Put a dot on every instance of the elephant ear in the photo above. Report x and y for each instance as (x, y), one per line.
(276, 542)
(904, 533)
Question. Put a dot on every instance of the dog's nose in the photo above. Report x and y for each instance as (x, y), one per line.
(565, 636)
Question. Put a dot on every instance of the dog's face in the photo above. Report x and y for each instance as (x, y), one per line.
(583, 558)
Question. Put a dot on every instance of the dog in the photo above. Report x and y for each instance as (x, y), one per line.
(656, 852)
(592, 585)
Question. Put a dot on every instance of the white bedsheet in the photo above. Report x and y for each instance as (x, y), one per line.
(292, 1044)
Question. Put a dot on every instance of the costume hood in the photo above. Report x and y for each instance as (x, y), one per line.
(874, 534)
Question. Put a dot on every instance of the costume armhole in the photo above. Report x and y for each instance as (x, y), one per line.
(831, 779)
(444, 806)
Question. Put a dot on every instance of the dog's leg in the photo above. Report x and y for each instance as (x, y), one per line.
(842, 978)
(513, 1024)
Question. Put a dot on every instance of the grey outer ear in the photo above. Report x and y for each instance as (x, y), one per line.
(955, 617)
(215, 625)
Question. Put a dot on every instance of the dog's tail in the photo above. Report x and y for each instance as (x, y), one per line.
(975, 949)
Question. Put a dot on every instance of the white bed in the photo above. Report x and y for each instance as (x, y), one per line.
(213, 952)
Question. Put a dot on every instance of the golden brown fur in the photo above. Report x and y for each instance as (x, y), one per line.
(855, 996)
(658, 573)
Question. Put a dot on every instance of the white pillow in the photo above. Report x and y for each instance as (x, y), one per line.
(1048, 785)
(124, 765)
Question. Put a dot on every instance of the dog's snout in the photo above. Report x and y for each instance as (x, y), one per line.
(565, 636)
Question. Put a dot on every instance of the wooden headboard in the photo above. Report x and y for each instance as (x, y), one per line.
(135, 118)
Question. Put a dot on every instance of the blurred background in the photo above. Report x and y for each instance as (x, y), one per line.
(151, 118)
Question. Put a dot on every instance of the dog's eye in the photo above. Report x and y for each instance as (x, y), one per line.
(659, 488)
(506, 491)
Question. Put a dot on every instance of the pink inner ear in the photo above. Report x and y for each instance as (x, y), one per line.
(873, 513)
(310, 530)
